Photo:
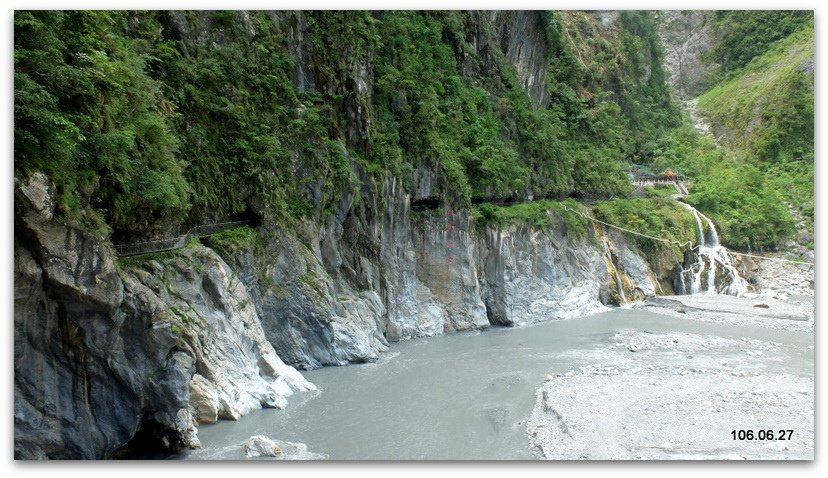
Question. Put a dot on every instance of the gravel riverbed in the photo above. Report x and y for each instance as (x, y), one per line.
(679, 395)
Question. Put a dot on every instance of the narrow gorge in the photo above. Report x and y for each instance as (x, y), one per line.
(401, 174)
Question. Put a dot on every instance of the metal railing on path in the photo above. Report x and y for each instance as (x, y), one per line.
(680, 185)
(172, 243)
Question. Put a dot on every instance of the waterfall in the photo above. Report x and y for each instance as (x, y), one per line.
(710, 257)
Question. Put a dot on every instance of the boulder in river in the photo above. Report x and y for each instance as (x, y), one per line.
(260, 445)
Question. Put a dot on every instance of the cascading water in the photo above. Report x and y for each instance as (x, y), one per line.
(710, 258)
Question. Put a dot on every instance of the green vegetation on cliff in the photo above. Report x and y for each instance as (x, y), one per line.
(88, 115)
(535, 214)
(150, 121)
(744, 203)
(742, 35)
(767, 109)
(147, 120)
(742, 199)
(230, 241)
(656, 217)
(763, 113)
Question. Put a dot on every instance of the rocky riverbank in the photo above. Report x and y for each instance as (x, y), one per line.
(785, 281)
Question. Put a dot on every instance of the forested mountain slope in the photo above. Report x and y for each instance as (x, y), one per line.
(758, 97)
(148, 119)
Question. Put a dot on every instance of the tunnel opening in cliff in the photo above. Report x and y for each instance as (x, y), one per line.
(425, 204)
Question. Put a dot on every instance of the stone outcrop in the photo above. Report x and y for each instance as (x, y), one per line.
(82, 369)
(109, 361)
(686, 35)
(522, 39)
(203, 303)
(531, 275)
(260, 446)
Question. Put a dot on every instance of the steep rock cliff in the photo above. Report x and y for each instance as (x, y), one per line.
(532, 275)
(110, 362)
(520, 37)
(186, 338)
(686, 35)
(85, 373)
(204, 304)
(378, 273)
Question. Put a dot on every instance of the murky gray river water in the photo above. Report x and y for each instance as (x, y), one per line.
(456, 396)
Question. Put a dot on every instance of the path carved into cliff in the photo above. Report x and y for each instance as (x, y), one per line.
(177, 242)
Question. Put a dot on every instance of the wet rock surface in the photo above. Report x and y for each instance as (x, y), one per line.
(260, 445)
(263, 447)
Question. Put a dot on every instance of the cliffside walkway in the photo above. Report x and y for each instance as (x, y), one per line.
(177, 242)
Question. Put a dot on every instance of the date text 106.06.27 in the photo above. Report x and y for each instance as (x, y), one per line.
(763, 435)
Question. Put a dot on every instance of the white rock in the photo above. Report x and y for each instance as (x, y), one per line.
(260, 445)
(38, 189)
(204, 400)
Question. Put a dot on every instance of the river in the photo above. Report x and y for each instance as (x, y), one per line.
(463, 395)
